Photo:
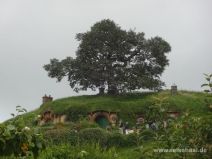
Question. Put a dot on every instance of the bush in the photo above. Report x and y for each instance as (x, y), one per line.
(147, 135)
(192, 131)
(61, 135)
(16, 139)
(120, 140)
(73, 138)
(116, 139)
(132, 140)
(93, 135)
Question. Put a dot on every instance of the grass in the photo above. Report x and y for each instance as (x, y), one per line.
(126, 105)
(133, 102)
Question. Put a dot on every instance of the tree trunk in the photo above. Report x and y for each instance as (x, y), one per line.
(112, 90)
(101, 91)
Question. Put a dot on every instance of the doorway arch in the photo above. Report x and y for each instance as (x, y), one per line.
(103, 118)
(102, 121)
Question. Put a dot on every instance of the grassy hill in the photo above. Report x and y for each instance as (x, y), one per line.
(183, 100)
(78, 138)
(127, 105)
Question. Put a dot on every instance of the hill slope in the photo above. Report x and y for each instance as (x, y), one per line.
(68, 140)
(127, 106)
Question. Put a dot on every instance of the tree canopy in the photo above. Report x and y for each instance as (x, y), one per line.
(110, 58)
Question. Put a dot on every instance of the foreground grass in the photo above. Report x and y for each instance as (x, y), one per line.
(94, 151)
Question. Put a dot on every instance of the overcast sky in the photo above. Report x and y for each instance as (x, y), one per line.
(34, 31)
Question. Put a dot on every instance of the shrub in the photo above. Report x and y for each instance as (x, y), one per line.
(116, 139)
(120, 140)
(147, 135)
(73, 138)
(19, 140)
(192, 131)
(61, 135)
(93, 135)
(208, 84)
(132, 140)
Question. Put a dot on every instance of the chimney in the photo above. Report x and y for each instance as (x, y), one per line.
(174, 89)
(47, 98)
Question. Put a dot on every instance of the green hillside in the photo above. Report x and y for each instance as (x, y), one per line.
(79, 138)
(127, 105)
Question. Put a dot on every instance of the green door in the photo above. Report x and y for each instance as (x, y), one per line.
(102, 121)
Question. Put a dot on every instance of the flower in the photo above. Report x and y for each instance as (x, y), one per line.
(162, 109)
(186, 114)
(178, 126)
(83, 153)
(26, 128)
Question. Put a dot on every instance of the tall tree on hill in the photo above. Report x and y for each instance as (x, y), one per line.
(110, 58)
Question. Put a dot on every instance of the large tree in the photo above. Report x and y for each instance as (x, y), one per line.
(110, 58)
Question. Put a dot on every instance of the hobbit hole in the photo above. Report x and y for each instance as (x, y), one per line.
(103, 118)
(102, 121)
